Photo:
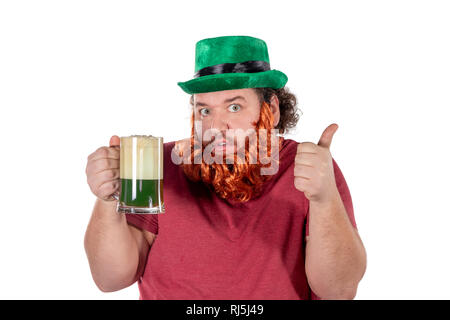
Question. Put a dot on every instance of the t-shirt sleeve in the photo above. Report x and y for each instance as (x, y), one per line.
(344, 193)
(147, 222)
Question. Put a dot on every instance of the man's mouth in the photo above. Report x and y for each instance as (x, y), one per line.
(222, 145)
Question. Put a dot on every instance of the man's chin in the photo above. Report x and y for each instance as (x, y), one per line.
(231, 156)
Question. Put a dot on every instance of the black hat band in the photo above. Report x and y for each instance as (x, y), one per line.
(242, 67)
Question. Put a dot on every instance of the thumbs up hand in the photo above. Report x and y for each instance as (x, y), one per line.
(313, 170)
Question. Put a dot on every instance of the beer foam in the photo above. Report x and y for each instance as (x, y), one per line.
(141, 157)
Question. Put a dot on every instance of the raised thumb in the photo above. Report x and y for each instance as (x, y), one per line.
(327, 135)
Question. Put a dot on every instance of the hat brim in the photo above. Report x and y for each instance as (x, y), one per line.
(228, 81)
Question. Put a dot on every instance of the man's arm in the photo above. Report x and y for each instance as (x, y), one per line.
(116, 251)
(335, 256)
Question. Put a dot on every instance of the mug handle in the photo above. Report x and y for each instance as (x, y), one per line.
(116, 195)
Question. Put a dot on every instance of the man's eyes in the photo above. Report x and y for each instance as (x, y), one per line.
(231, 108)
(234, 108)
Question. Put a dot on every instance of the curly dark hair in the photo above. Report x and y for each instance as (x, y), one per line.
(288, 106)
(289, 115)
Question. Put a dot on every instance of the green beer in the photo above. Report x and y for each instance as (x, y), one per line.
(141, 174)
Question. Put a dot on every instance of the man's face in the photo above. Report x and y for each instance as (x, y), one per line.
(225, 110)
(238, 119)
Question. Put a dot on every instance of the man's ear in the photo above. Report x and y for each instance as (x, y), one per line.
(275, 108)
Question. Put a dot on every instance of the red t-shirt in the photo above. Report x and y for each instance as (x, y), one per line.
(208, 248)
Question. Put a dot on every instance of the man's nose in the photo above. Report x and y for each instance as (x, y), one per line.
(219, 123)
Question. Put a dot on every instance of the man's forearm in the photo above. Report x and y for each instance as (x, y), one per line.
(110, 247)
(335, 255)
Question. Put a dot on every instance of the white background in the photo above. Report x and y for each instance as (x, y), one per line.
(73, 73)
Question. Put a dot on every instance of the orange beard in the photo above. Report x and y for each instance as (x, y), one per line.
(239, 181)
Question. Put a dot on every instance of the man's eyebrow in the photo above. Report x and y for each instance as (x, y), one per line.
(201, 104)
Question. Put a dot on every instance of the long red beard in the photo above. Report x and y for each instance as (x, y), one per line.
(240, 181)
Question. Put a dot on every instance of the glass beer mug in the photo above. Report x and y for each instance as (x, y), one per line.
(141, 175)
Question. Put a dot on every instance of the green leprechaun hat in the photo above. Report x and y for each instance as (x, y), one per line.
(232, 62)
